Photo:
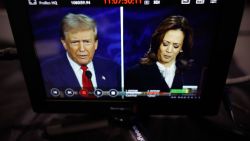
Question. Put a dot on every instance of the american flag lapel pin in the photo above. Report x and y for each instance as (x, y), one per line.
(103, 77)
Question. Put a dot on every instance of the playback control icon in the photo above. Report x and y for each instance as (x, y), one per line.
(55, 92)
(98, 93)
(69, 92)
(113, 92)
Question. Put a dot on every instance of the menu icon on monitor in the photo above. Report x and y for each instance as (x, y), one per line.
(185, 1)
(200, 1)
(32, 2)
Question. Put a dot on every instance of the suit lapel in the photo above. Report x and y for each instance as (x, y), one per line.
(158, 79)
(68, 75)
(101, 77)
(178, 81)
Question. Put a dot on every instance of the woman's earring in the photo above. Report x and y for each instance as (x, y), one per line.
(181, 50)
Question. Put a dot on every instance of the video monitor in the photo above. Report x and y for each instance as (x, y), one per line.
(135, 56)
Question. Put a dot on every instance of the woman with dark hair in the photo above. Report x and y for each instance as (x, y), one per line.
(168, 56)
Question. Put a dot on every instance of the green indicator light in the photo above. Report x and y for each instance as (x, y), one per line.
(179, 91)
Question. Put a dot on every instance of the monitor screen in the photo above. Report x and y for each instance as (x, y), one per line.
(150, 56)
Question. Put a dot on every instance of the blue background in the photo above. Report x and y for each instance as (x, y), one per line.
(45, 24)
(139, 25)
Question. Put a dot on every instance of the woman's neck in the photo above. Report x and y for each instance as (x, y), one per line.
(168, 65)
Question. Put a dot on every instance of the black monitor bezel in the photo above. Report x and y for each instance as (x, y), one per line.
(211, 94)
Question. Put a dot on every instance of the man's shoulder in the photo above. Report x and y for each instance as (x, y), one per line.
(60, 57)
(100, 61)
(54, 61)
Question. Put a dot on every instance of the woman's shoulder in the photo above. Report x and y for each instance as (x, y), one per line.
(142, 67)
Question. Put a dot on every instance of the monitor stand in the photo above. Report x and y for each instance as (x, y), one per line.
(122, 126)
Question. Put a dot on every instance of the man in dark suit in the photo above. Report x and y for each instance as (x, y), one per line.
(77, 72)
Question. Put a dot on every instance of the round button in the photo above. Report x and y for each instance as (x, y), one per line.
(113, 92)
(69, 92)
(55, 92)
(98, 92)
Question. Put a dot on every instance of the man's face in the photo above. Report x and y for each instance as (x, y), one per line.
(80, 45)
(170, 47)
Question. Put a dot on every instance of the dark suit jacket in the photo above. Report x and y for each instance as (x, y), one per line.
(148, 77)
(58, 73)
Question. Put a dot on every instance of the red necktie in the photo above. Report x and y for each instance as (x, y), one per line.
(86, 81)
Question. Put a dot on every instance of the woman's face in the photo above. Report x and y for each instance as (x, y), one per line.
(170, 47)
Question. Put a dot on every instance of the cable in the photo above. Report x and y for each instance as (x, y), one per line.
(238, 80)
(9, 53)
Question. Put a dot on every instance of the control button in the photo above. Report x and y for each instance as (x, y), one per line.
(113, 92)
(69, 92)
(55, 92)
(83, 93)
(200, 1)
(98, 92)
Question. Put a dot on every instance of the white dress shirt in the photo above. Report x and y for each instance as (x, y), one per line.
(168, 73)
(78, 71)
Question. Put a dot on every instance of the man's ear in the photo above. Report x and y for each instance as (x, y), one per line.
(64, 44)
(96, 44)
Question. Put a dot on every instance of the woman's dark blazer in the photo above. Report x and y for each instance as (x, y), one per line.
(148, 77)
